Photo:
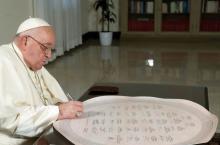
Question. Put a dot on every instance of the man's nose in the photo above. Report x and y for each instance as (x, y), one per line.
(48, 54)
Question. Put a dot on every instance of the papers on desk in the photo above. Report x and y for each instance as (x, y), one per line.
(121, 120)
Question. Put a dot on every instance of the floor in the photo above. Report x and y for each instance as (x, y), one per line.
(159, 61)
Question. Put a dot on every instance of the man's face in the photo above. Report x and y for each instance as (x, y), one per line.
(39, 47)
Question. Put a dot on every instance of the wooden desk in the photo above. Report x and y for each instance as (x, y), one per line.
(198, 94)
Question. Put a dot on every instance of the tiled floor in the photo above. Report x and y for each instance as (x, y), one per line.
(180, 62)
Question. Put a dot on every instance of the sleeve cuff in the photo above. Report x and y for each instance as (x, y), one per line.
(54, 112)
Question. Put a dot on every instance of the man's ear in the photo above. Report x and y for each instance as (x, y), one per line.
(23, 40)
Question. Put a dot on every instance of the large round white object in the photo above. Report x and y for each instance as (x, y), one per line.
(121, 120)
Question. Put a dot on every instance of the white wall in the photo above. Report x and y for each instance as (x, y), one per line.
(12, 13)
(93, 17)
(84, 14)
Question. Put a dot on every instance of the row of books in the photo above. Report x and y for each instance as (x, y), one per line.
(211, 6)
(143, 25)
(175, 7)
(141, 7)
(210, 25)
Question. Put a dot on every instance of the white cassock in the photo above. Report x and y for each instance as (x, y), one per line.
(26, 99)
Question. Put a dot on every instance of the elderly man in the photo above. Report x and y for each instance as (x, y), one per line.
(31, 99)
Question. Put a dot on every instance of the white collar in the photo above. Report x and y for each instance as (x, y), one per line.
(19, 54)
(17, 50)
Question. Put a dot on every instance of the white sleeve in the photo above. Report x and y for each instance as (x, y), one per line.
(34, 120)
(30, 122)
(20, 119)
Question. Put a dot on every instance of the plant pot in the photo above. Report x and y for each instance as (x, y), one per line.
(105, 38)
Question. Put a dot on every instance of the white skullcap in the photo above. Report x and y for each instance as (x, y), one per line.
(31, 23)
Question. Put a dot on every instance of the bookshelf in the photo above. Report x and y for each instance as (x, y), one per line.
(141, 15)
(170, 17)
(175, 15)
(210, 16)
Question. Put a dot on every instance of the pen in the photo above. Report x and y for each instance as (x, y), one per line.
(70, 98)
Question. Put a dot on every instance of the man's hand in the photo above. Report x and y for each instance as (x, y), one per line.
(70, 110)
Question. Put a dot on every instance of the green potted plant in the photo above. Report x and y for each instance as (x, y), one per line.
(107, 16)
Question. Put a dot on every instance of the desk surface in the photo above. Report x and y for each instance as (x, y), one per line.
(198, 94)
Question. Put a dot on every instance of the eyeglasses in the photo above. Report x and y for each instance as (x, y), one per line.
(44, 48)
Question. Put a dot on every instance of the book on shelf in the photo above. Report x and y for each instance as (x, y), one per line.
(181, 7)
(204, 2)
(219, 7)
(138, 7)
(175, 7)
(185, 6)
(164, 8)
(132, 7)
(212, 6)
(141, 7)
(149, 8)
